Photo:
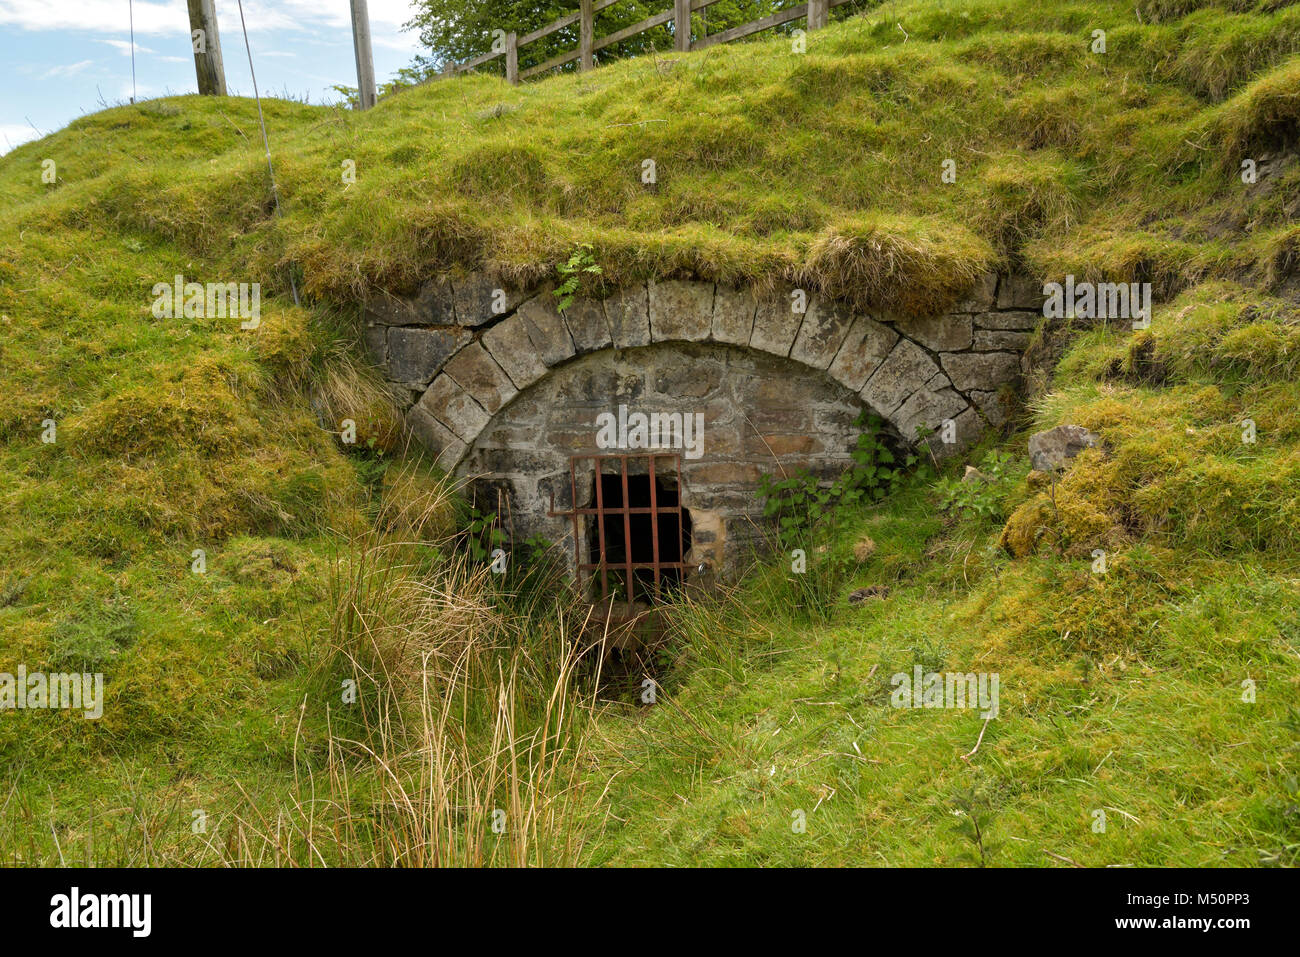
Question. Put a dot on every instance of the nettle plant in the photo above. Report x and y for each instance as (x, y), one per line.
(801, 501)
(982, 498)
(483, 534)
(581, 263)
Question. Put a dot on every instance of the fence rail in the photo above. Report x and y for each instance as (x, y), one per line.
(817, 13)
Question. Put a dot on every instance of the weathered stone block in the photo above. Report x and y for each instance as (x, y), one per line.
(721, 473)
(455, 408)
(478, 374)
(376, 341)
(981, 296)
(416, 355)
(680, 310)
(992, 405)
(482, 296)
(447, 449)
(1008, 320)
(547, 329)
(628, 312)
(1056, 448)
(432, 305)
(993, 339)
(733, 315)
(939, 333)
(926, 409)
(776, 325)
(1020, 292)
(865, 347)
(897, 377)
(981, 370)
(694, 380)
(822, 333)
(510, 345)
(588, 325)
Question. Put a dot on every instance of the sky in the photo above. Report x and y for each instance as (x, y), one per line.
(60, 59)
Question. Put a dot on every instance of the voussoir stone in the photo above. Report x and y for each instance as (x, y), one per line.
(416, 355)
(867, 344)
(821, 334)
(455, 408)
(680, 310)
(588, 325)
(775, 325)
(733, 315)
(1056, 448)
(447, 448)
(547, 329)
(897, 377)
(478, 374)
(482, 296)
(981, 370)
(510, 345)
(950, 333)
(927, 409)
(628, 312)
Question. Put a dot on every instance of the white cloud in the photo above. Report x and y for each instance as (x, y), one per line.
(67, 69)
(14, 134)
(124, 47)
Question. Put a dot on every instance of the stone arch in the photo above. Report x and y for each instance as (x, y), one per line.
(464, 349)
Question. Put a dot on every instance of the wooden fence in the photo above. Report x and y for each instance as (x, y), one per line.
(817, 13)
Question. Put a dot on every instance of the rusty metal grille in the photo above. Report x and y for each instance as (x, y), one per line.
(603, 511)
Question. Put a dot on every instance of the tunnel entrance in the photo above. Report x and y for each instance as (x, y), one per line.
(638, 533)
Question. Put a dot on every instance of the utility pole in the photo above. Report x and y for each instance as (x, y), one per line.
(365, 58)
(207, 48)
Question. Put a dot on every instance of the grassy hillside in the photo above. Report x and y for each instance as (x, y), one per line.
(1120, 691)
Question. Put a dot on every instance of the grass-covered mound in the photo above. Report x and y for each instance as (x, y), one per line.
(1122, 691)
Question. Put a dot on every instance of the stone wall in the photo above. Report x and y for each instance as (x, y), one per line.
(462, 349)
(500, 385)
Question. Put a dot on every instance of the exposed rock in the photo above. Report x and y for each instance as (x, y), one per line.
(1020, 292)
(973, 475)
(681, 310)
(897, 376)
(1055, 448)
(628, 312)
(477, 373)
(416, 355)
(547, 329)
(865, 347)
(733, 315)
(1021, 321)
(939, 333)
(822, 334)
(982, 296)
(477, 301)
(981, 370)
(512, 348)
(775, 326)
(588, 325)
(866, 594)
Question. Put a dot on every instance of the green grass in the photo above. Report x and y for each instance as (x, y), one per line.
(1119, 692)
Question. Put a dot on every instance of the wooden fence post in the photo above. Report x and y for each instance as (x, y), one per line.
(210, 72)
(365, 57)
(512, 58)
(819, 14)
(586, 35)
(682, 24)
